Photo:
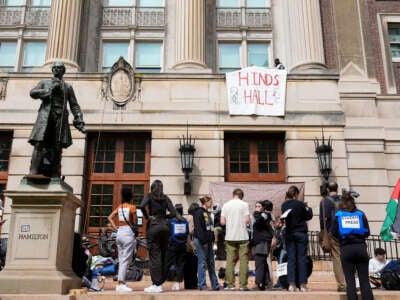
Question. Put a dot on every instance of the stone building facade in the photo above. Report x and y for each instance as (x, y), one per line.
(342, 58)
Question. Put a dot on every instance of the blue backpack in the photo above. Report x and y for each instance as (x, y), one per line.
(179, 232)
(351, 223)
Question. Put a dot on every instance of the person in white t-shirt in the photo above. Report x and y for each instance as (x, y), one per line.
(375, 267)
(235, 216)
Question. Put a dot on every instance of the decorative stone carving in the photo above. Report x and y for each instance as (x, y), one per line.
(119, 85)
(3, 88)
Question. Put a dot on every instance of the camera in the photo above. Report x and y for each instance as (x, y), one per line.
(353, 193)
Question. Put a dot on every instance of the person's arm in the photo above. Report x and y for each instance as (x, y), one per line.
(200, 227)
(366, 225)
(75, 110)
(40, 91)
(143, 205)
(247, 214)
(308, 213)
(111, 218)
(334, 229)
(223, 220)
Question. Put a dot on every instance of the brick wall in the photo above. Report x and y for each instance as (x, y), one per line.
(328, 31)
(375, 7)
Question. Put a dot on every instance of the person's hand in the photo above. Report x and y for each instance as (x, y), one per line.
(81, 127)
(273, 244)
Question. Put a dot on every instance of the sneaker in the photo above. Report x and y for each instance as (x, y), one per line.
(154, 289)
(303, 288)
(215, 247)
(244, 289)
(203, 288)
(217, 288)
(293, 288)
(229, 288)
(175, 287)
(123, 288)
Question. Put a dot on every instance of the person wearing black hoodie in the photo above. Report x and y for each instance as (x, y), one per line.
(203, 240)
(262, 239)
(298, 213)
(155, 206)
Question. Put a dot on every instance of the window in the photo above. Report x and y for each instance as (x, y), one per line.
(112, 51)
(118, 2)
(14, 2)
(257, 54)
(229, 57)
(115, 161)
(258, 3)
(7, 55)
(5, 148)
(228, 3)
(34, 54)
(148, 57)
(394, 39)
(150, 3)
(254, 157)
(41, 2)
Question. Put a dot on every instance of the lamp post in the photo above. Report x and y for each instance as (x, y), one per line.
(187, 150)
(324, 154)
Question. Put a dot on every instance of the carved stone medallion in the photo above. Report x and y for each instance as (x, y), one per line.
(121, 83)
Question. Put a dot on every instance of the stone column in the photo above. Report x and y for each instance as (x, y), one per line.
(190, 34)
(305, 29)
(62, 44)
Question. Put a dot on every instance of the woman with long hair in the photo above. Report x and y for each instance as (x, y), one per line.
(155, 206)
(126, 242)
(350, 226)
(296, 239)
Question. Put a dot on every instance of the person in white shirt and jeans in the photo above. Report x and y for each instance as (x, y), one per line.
(235, 216)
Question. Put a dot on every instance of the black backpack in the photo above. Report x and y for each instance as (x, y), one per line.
(390, 280)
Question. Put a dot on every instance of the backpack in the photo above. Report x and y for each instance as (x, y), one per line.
(390, 280)
(179, 232)
(134, 273)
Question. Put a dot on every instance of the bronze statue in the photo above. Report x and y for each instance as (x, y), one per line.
(51, 131)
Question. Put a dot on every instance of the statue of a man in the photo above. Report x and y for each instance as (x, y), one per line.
(51, 131)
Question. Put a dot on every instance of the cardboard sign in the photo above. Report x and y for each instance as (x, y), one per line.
(281, 270)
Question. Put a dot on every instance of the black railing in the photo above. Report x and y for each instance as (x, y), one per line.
(392, 248)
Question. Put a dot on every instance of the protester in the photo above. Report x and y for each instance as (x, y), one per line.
(158, 232)
(126, 242)
(351, 227)
(263, 234)
(190, 269)
(235, 216)
(296, 238)
(176, 252)
(328, 207)
(376, 266)
(203, 240)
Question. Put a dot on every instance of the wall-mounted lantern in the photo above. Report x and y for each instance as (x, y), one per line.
(324, 153)
(187, 149)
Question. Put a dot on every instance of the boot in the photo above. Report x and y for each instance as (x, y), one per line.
(95, 286)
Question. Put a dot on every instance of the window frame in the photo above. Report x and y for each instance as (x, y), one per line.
(268, 44)
(230, 68)
(11, 68)
(24, 47)
(390, 26)
(117, 178)
(160, 68)
(254, 176)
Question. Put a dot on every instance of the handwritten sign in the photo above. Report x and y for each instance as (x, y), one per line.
(257, 91)
(281, 270)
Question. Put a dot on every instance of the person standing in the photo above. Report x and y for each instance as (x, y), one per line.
(190, 270)
(263, 234)
(203, 240)
(328, 207)
(235, 216)
(126, 242)
(158, 231)
(176, 252)
(350, 226)
(296, 238)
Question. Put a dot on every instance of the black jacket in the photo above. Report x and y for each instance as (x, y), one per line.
(330, 204)
(296, 220)
(262, 229)
(203, 226)
(158, 207)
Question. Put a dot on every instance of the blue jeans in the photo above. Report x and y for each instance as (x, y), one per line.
(296, 247)
(205, 259)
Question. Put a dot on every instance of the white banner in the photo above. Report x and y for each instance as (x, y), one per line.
(257, 91)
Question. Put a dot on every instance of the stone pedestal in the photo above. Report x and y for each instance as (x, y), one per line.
(39, 253)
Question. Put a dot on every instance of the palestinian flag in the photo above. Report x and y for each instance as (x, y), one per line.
(391, 226)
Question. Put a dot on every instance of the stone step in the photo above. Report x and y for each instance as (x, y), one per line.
(197, 295)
